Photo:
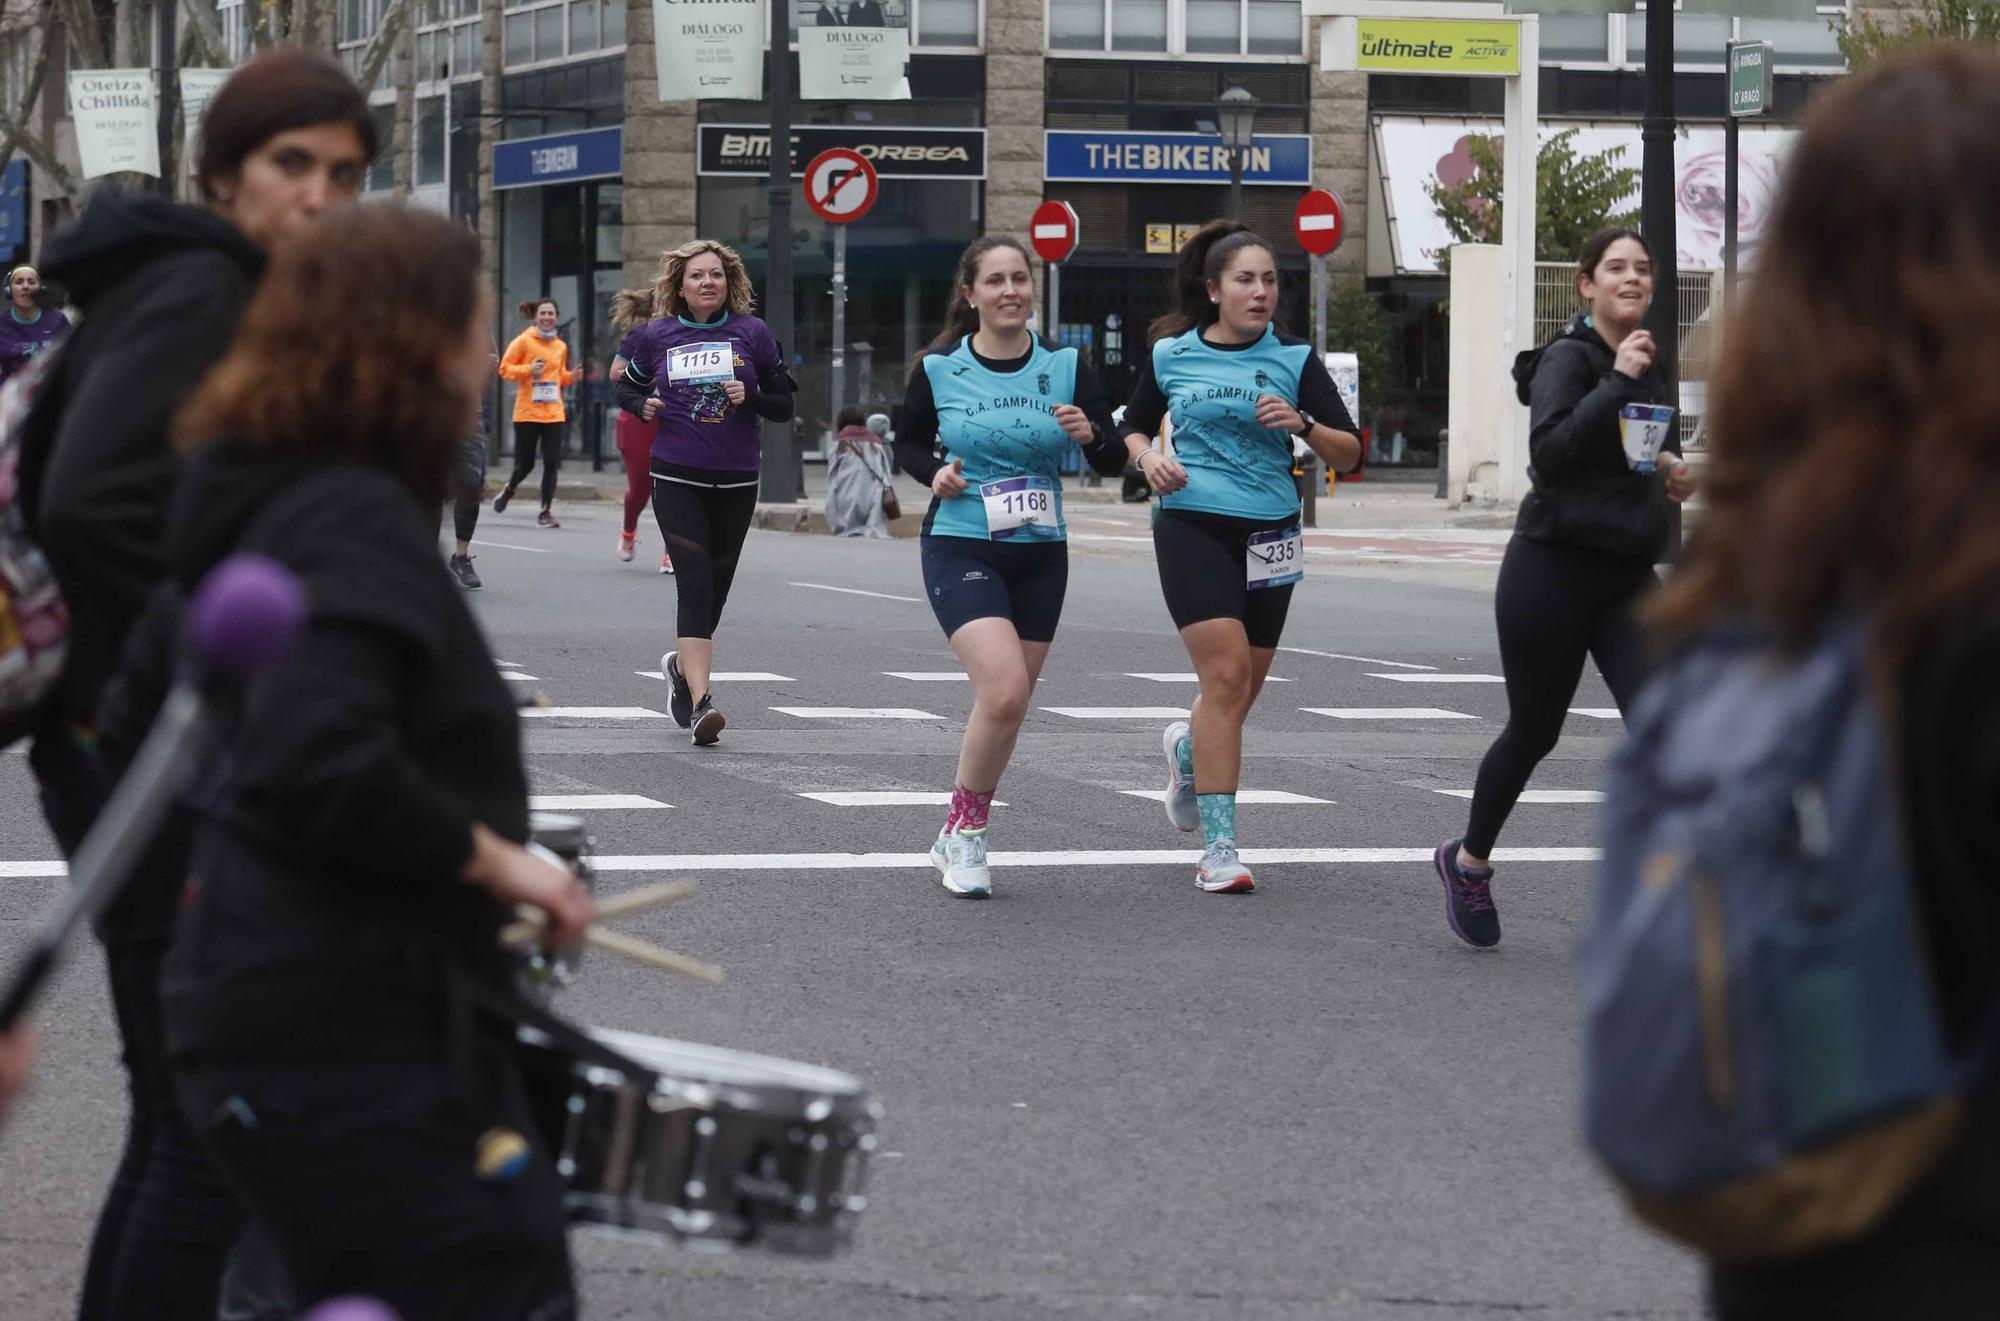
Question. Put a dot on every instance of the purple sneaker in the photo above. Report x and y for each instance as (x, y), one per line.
(1468, 898)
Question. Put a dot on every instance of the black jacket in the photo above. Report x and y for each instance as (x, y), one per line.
(161, 287)
(325, 897)
(1585, 493)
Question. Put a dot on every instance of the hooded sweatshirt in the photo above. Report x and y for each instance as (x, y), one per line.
(1585, 492)
(538, 399)
(161, 286)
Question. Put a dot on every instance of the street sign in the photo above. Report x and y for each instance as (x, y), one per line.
(1320, 222)
(840, 185)
(1749, 77)
(1055, 231)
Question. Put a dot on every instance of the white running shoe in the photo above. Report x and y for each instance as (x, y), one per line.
(1222, 872)
(1182, 809)
(961, 856)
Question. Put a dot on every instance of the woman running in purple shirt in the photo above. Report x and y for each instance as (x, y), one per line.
(28, 328)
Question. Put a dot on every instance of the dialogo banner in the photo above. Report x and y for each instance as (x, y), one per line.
(117, 121)
(854, 63)
(709, 48)
(198, 88)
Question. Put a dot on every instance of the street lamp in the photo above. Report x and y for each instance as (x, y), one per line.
(1236, 115)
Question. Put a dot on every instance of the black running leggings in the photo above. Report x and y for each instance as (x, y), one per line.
(468, 488)
(1555, 604)
(528, 437)
(703, 527)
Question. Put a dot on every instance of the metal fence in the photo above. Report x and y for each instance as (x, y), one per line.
(1700, 303)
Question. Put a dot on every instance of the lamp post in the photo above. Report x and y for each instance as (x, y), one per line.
(1236, 117)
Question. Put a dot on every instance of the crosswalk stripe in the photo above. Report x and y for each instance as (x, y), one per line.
(1170, 677)
(1386, 713)
(515, 676)
(885, 798)
(1119, 712)
(855, 713)
(591, 713)
(1252, 797)
(592, 802)
(727, 676)
(928, 676)
(856, 591)
(1539, 795)
(1440, 678)
(1365, 660)
(1596, 712)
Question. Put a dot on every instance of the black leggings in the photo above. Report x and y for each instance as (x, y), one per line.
(703, 527)
(468, 487)
(548, 437)
(1555, 605)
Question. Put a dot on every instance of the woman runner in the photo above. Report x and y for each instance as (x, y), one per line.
(1582, 552)
(630, 310)
(28, 328)
(709, 371)
(1005, 407)
(538, 363)
(1227, 538)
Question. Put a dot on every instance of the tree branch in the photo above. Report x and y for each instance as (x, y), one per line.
(204, 33)
(17, 137)
(383, 45)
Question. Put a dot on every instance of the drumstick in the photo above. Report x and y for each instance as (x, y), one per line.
(639, 951)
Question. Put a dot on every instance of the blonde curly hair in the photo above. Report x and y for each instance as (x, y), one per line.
(667, 300)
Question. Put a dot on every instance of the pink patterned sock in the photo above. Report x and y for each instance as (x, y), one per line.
(969, 809)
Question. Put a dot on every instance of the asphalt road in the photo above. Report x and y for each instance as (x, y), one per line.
(1108, 1094)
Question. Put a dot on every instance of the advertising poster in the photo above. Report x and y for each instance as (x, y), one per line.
(117, 121)
(709, 48)
(198, 86)
(854, 63)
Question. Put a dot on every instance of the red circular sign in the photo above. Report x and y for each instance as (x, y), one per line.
(1054, 231)
(840, 185)
(1320, 222)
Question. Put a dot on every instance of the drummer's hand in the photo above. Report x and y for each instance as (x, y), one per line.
(1074, 422)
(513, 875)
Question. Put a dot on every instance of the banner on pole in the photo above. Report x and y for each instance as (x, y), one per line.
(117, 119)
(709, 48)
(198, 87)
(854, 64)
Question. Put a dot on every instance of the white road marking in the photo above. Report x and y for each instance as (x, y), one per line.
(592, 802)
(515, 676)
(727, 676)
(508, 665)
(886, 798)
(761, 862)
(1596, 712)
(1539, 795)
(502, 545)
(1165, 677)
(1119, 712)
(1252, 797)
(1366, 660)
(1386, 713)
(928, 676)
(1441, 678)
(855, 713)
(856, 591)
(591, 713)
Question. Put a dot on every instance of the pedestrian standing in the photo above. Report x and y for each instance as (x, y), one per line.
(860, 486)
(631, 309)
(1227, 538)
(1584, 545)
(335, 995)
(29, 328)
(538, 364)
(1005, 408)
(1882, 248)
(711, 373)
(162, 286)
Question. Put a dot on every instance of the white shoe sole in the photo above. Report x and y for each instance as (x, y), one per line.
(1169, 740)
(1234, 883)
(939, 861)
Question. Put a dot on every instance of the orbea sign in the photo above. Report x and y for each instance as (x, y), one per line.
(1424, 45)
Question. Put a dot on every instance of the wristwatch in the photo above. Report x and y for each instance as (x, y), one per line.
(1307, 418)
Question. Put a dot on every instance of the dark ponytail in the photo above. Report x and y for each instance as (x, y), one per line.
(1202, 258)
(534, 305)
(961, 318)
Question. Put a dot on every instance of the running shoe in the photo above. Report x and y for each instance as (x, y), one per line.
(1468, 898)
(681, 704)
(1222, 872)
(500, 500)
(461, 569)
(666, 564)
(960, 855)
(708, 723)
(546, 519)
(1182, 809)
(626, 542)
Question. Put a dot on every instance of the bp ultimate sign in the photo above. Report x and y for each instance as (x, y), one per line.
(896, 153)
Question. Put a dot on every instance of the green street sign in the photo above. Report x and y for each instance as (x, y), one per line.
(1750, 77)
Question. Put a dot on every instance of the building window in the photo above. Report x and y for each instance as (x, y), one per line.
(1804, 45)
(230, 18)
(1178, 27)
(382, 170)
(430, 112)
(539, 33)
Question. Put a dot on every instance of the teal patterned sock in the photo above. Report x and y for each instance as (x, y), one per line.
(1184, 756)
(1218, 816)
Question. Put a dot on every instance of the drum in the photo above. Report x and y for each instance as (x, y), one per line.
(544, 971)
(712, 1147)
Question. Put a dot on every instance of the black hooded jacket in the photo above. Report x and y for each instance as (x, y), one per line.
(161, 287)
(1585, 492)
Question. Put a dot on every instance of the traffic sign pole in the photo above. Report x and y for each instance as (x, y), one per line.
(840, 188)
(839, 363)
(1319, 306)
(1318, 225)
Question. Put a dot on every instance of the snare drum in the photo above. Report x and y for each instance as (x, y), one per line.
(718, 1148)
(543, 971)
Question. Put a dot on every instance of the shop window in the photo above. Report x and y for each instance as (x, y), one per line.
(1205, 27)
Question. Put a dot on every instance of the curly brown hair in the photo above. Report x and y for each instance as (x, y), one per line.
(667, 300)
(631, 308)
(1855, 431)
(335, 353)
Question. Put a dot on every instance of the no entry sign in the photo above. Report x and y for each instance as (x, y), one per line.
(1320, 222)
(840, 185)
(1054, 231)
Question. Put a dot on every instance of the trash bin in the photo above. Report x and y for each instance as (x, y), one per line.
(1305, 470)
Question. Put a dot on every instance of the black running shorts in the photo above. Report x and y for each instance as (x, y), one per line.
(1202, 572)
(966, 578)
